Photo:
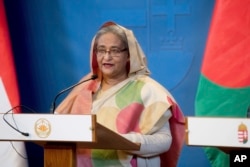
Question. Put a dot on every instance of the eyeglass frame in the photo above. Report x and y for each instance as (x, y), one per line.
(113, 52)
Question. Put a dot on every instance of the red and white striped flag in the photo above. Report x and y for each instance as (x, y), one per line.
(243, 136)
(12, 154)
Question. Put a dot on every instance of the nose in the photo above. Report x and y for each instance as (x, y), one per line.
(107, 51)
(107, 54)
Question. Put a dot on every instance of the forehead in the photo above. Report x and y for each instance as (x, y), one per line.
(109, 39)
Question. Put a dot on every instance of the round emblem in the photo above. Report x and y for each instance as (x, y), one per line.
(42, 128)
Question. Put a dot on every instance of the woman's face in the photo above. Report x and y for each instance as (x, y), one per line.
(112, 56)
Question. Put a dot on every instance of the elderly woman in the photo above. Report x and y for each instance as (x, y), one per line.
(127, 101)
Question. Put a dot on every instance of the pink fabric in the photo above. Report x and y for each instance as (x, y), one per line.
(177, 126)
(127, 115)
(83, 102)
(84, 158)
(133, 162)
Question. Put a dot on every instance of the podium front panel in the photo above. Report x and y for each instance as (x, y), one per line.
(218, 132)
(48, 127)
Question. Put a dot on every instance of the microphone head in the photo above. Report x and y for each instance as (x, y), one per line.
(94, 76)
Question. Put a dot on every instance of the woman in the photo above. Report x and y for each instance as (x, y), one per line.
(126, 100)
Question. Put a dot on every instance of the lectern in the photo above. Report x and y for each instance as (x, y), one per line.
(224, 133)
(60, 135)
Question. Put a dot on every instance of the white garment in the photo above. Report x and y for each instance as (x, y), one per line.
(152, 145)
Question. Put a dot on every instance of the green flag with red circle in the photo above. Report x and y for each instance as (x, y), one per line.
(224, 85)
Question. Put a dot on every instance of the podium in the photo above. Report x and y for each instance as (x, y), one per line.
(60, 135)
(225, 133)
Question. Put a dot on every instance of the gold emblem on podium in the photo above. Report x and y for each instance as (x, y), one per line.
(42, 128)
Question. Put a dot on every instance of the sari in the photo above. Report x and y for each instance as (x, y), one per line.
(138, 104)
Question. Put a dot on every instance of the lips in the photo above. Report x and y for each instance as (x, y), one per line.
(107, 64)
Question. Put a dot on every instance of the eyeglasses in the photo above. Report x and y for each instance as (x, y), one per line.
(113, 52)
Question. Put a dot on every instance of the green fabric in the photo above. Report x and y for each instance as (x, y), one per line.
(215, 100)
(110, 156)
(131, 93)
(217, 157)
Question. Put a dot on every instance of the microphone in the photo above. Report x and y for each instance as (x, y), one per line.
(53, 106)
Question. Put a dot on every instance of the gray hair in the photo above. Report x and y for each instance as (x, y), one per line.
(115, 30)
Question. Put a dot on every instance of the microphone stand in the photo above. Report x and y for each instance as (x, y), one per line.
(53, 106)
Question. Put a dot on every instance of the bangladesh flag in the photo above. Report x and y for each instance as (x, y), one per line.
(224, 86)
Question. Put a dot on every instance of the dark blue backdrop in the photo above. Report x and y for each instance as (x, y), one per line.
(51, 42)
